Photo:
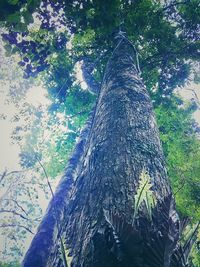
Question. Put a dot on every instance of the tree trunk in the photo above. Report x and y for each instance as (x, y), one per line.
(124, 140)
(122, 143)
(45, 247)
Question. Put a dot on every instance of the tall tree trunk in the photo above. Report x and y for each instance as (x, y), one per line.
(122, 143)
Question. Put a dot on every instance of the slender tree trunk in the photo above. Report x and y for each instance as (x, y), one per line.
(45, 247)
(123, 141)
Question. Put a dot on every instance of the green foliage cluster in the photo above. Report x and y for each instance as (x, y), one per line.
(165, 51)
(11, 264)
(12, 11)
(182, 150)
(179, 135)
(56, 136)
(75, 110)
(195, 255)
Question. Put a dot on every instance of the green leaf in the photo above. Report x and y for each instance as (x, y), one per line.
(28, 18)
(14, 18)
(13, 2)
(144, 194)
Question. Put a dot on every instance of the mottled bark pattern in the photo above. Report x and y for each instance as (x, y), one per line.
(123, 140)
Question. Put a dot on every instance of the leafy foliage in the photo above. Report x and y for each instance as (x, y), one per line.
(144, 195)
(11, 264)
(179, 136)
(182, 151)
(165, 51)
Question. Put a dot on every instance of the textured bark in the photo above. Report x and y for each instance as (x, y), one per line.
(87, 69)
(124, 139)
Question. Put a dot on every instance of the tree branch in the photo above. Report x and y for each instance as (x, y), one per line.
(14, 212)
(16, 225)
(175, 4)
(18, 205)
(195, 95)
(5, 173)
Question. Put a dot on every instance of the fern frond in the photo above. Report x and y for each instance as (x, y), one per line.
(144, 195)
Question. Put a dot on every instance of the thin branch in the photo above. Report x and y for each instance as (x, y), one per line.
(3, 176)
(78, 113)
(5, 173)
(195, 95)
(16, 225)
(18, 205)
(192, 239)
(181, 187)
(59, 232)
(47, 178)
(158, 57)
(182, 179)
(15, 213)
(12, 184)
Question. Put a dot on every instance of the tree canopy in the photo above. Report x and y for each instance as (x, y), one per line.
(166, 52)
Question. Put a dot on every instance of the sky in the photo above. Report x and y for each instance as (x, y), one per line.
(36, 97)
(189, 92)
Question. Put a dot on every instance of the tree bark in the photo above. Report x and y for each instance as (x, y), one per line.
(123, 140)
